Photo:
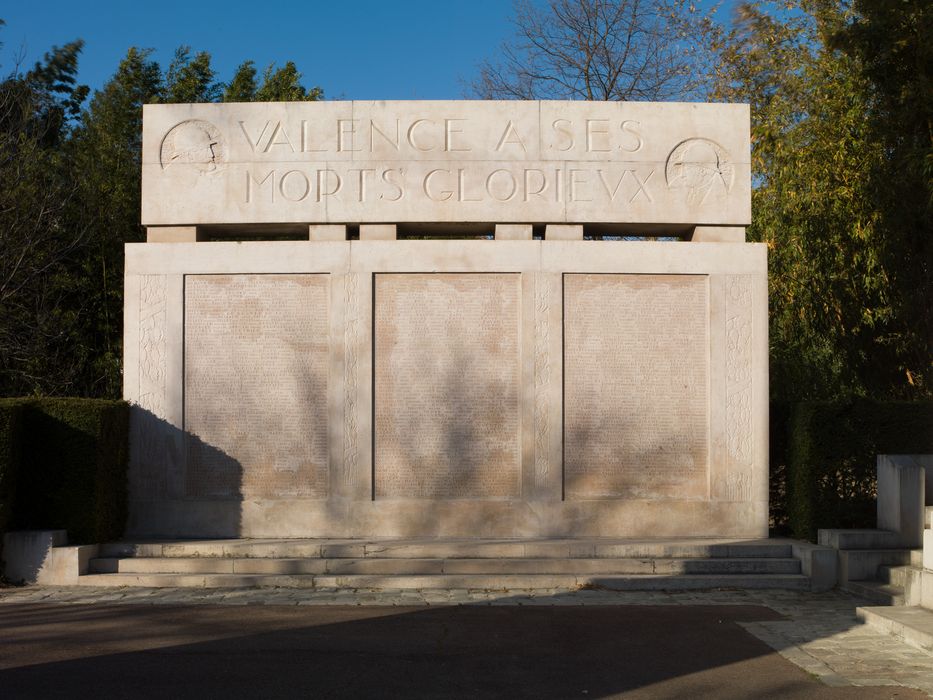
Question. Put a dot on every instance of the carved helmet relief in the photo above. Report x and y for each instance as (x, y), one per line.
(699, 166)
(194, 142)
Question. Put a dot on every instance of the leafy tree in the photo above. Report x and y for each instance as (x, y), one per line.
(284, 85)
(190, 79)
(891, 41)
(70, 199)
(243, 86)
(603, 50)
(106, 151)
(36, 236)
(846, 267)
(278, 85)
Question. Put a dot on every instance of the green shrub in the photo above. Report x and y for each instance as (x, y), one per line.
(831, 454)
(11, 411)
(68, 465)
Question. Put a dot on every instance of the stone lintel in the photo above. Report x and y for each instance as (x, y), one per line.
(327, 232)
(513, 232)
(563, 232)
(718, 234)
(378, 232)
(171, 234)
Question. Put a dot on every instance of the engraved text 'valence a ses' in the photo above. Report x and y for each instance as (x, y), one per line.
(396, 162)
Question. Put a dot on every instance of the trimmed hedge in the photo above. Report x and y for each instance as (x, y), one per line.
(831, 455)
(63, 465)
(11, 411)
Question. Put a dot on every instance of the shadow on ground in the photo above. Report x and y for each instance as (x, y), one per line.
(57, 651)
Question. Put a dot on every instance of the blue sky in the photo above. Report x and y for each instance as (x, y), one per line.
(394, 49)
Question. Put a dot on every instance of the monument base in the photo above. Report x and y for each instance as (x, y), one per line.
(450, 388)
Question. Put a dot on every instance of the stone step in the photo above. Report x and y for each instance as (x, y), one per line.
(876, 591)
(862, 564)
(494, 582)
(913, 625)
(396, 566)
(456, 549)
(916, 557)
(859, 539)
(928, 517)
(902, 576)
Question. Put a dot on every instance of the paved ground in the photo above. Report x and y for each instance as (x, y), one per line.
(74, 642)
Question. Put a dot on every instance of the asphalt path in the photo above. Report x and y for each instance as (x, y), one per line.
(53, 650)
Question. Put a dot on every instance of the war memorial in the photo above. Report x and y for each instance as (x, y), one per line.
(503, 319)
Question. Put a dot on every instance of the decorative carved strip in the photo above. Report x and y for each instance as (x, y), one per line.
(737, 484)
(152, 353)
(542, 378)
(351, 377)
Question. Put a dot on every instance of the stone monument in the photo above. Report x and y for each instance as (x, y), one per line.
(535, 371)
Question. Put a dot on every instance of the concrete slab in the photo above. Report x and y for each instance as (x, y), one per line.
(913, 625)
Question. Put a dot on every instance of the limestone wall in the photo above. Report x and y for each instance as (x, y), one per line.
(447, 387)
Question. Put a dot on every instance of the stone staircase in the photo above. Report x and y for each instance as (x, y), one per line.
(542, 564)
(906, 592)
(873, 565)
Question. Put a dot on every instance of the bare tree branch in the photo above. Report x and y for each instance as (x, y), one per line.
(604, 50)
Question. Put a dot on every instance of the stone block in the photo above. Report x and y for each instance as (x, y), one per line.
(862, 565)
(378, 232)
(718, 234)
(514, 232)
(563, 232)
(926, 590)
(457, 161)
(171, 234)
(818, 563)
(43, 557)
(26, 552)
(901, 486)
(858, 539)
(327, 232)
(928, 550)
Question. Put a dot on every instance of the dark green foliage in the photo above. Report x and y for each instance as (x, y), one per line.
(70, 199)
(11, 411)
(243, 86)
(779, 413)
(831, 455)
(68, 461)
(842, 163)
(190, 79)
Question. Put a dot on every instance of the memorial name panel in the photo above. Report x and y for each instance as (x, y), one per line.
(635, 384)
(447, 383)
(256, 358)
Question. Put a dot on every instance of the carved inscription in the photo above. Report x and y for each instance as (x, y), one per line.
(447, 380)
(635, 386)
(447, 161)
(256, 358)
(737, 484)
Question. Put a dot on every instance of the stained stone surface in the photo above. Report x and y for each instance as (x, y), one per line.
(636, 375)
(256, 349)
(447, 385)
